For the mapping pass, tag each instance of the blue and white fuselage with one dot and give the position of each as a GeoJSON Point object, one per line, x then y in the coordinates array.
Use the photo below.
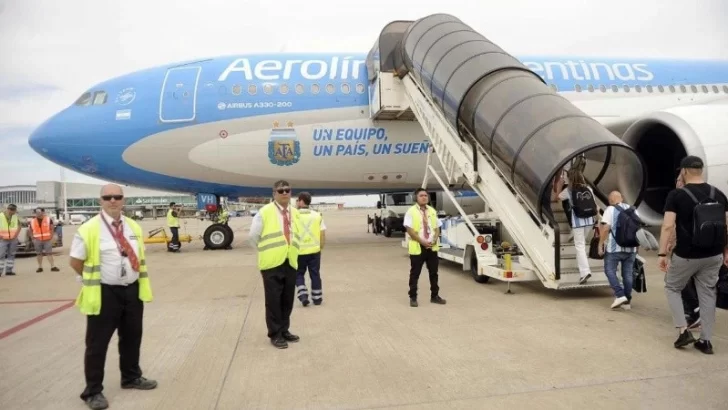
{"type": "Point", "coordinates": [233, 125]}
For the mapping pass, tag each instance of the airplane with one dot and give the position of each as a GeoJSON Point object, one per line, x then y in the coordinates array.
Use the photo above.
{"type": "Point", "coordinates": [230, 126]}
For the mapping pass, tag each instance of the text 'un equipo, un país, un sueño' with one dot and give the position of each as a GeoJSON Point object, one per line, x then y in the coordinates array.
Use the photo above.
{"type": "Point", "coordinates": [361, 142]}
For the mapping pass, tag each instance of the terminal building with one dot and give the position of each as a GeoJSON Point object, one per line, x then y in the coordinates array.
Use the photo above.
{"type": "Point", "coordinates": [83, 199]}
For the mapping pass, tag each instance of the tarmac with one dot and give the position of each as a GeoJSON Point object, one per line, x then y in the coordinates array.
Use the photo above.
{"type": "Point", "coordinates": [364, 347]}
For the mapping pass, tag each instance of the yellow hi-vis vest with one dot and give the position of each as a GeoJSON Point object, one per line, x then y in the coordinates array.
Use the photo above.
{"type": "Point", "coordinates": [7, 230]}
{"type": "Point", "coordinates": [89, 299]}
{"type": "Point", "coordinates": [172, 221]}
{"type": "Point", "coordinates": [273, 250]}
{"type": "Point", "coordinates": [414, 247]}
{"type": "Point", "coordinates": [310, 231]}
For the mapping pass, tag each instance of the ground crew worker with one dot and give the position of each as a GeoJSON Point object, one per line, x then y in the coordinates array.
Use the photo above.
{"type": "Point", "coordinates": [42, 229]}
{"type": "Point", "coordinates": [108, 255]}
{"type": "Point", "coordinates": [173, 224]}
{"type": "Point", "coordinates": [313, 236]}
{"type": "Point", "coordinates": [9, 231]}
{"type": "Point", "coordinates": [423, 228]}
{"type": "Point", "coordinates": [275, 232]}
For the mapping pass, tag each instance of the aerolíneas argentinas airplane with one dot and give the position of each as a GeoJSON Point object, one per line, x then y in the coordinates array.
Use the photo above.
{"type": "Point", "coordinates": [231, 126]}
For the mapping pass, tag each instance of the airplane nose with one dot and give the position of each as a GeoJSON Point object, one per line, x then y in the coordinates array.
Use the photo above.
{"type": "Point", "coordinates": [40, 137]}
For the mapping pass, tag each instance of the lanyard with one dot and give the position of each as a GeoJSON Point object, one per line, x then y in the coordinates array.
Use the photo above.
{"type": "Point", "coordinates": [116, 235]}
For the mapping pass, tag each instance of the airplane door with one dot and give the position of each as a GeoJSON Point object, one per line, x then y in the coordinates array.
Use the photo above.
{"type": "Point", "coordinates": [179, 94]}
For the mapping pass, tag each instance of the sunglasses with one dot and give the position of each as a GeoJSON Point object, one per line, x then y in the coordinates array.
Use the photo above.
{"type": "Point", "coordinates": [109, 197]}
{"type": "Point", "coordinates": [283, 191]}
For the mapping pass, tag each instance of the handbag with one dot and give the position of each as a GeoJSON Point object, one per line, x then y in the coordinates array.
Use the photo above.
{"type": "Point", "coordinates": [594, 246]}
{"type": "Point", "coordinates": [639, 281]}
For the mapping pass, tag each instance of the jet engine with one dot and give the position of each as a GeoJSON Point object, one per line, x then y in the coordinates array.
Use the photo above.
{"type": "Point", "coordinates": [664, 137]}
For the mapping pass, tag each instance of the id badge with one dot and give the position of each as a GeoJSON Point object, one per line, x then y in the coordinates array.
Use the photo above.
{"type": "Point", "coordinates": [123, 271]}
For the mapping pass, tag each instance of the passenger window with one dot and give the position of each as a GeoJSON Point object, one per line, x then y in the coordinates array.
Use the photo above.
{"type": "Point", "coordinates": [283, 89]}
{"type": "Point", "coordinates": [626, 88]}
{"type": "Point", "coordinates": [715, 89]}
{"type": "Point", "coordinates": [705, 88]}
{"type": "Point", "coordinates": [577, 88]}
{"type": "Point", "coordinates": [345, 88]}
{"type": "Point", "coordinates": [603, 88]}
{"type": "Point", "coordinates": [267, 88]}
{"type": "Point", "coordinates": [725, 89]}
{"type": "Point", "coordinates": [100, 98]}
{"type": "Point", "coordinates": [330, 88]}
{"type": "Point", "coordinates": [672, 88]}
{"type": "Point", "coordinates": [638, 88]}
{"type": "Point", "coordinates": [315, 88]}
{"type": "Point", "coordinates": [683, 89]}
{"type": "Point", "coordinates": [237, 89]}
{"type": "Point", "coordinates": [661, 88]}
{"type": "Point", "coordinates": [299, 88]}
{"type": "Point", "coordinates": [84, 100]}
{"type": "Point", "coordinates": [360, 88]}
{"type": "Point", "coordinates": [615, 88]}
{"type": "Point", "coordinates": [649, 88]}
{"type": "Point", "coordinates": [591, 88]}
{"type": "Point", "coordinates": [252, 89]}
{"type": "Point", "coordinates": [694, 89]}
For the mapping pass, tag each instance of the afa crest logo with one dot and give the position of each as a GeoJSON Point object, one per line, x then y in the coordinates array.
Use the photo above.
{"type": "Point", "coordinates": [284, 149]}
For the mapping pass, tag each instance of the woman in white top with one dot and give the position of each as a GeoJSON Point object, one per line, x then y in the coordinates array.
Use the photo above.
{"type": "Point", "coordinates": [579, 226]}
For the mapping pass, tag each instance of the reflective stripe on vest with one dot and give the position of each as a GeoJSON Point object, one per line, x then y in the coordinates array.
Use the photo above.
{"type": "Point", "coordinates": [172, 222]}
{"type": "Point", "coordinates": [414, 247]}
{"type": "Point", "coordinates": [89, 299]}
{"type": "Point", "coordinates": [8, 230]}
{"type": "Point", "coordinates": [310, 231]}
{"type": "Point", "coordinates": [273, 250]}
{"type": "Point", "coordinates": [42, 231]}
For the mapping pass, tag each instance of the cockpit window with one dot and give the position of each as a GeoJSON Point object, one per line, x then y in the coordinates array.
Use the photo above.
{"type": "Point", "coordinates": [100, 97]}
{"type": "Point", "coordinates": [84, 100]}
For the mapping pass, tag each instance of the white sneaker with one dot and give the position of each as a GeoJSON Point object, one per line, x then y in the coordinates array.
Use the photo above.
{"type": "Point", "coordinates": [626, 306]}
{"type": "Point", "coordinates": [619, 302]}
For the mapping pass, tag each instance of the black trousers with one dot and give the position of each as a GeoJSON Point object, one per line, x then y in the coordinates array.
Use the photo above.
{"type": "Point", "coordinates": [280, 289]}
{"type": "Point", "coordinates": [121, 310]}
{"type": "Point", "coordinates": [175, 238]}
{"type": "Point", "coordinates": [427, 257]}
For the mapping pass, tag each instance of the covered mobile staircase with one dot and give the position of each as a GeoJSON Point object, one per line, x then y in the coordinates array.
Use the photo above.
{"type": "Point", "coordinates": [495, 123]}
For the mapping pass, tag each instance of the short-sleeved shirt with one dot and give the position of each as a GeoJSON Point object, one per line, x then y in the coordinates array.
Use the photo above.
{"type": "Point", "coordinates": [408, 223]}
{"type": "Point", "coordinates": [682, 205]}
{"type": "Point", "coordinates": [576, 222]}
{"type": "Point", "coordinates": [610, 217]}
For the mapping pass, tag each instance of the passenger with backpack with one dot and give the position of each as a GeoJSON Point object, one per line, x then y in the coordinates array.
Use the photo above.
{"type": "Point", "coordinates": [582, 215]}
{"type": "Point", "coordinates": [697, 213]}
{"type": "Point", "coordinates": [618, 243]}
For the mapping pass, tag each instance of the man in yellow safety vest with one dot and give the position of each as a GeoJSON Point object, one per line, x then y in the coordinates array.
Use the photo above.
{"type": "Point", "coordinates": [42, 229]}
{"type": "Point", "coordinates": [313, 236]}
{"type": "Point", "coordinates": [275, 232]}
{"type": "Point", "coordinates": [108, 255]}
{"type": "Point", "coordinates": [9, 231]}
{"type": "Point", "coordinates": [173, 224]}
{"type": "Point", "coordinates": [423, 228]}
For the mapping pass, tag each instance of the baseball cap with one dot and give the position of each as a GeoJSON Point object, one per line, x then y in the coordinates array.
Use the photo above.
{"type": "Point", "coordinates": [691, 161]}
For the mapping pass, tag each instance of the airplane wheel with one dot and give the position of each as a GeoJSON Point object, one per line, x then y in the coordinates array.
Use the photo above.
{"type": "Point", "coordinates": [474, 270]}
{"type": "Point", "coordinates": [232, 237]}
{"type": "Point", "coordinates": [217, 236]}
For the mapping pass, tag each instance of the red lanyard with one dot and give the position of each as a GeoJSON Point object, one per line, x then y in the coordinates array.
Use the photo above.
{"type": "Point", "coordinates": [116, 235]}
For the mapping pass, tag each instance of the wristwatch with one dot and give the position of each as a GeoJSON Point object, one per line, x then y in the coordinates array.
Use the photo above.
{"type": "Point", "coordinates": [661, 255]}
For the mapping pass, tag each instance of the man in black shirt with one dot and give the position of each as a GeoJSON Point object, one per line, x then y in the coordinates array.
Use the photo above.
{"type": "Point", "coordinates": [701, 262]}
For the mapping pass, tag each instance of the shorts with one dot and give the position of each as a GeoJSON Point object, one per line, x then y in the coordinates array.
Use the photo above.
{"type": "Point", "coordinates": [44, 247]}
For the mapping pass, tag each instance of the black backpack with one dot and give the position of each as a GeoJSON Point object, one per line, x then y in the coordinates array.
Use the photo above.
{"type": "Point", "coordinates": [582, 202]}
{"type": "Point", "coordinates": [627, 226]}
{"type": "Point", "coordinates": [709, 227]}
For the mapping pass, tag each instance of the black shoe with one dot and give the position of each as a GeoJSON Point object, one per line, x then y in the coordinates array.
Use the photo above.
{"type": "Point", "coordinates": [279, 342]}
{"type": "Point", "coordinates": [54, 269]}
{"type": "Point", "coordinates": [413, 302]}
{"type": "Point", "coordinates": [140, 383]}
{"type": "Point", "coordinates": [438, 300]}
{"type": "Point", "coordinates": [305, 303]}
{"type": "Point", "coordinates": [684, 339]}
{"type": "Point", "coordinates": [290, 337]}
{"type": "Point", "coordinates": [97, 402]}
{"type": "Point", "coordinates": [11, 273]}
{"type": "Point", "coordinates": [39, 270]}
{"type": "Point", "coordinates": [318, 302]}
{"type": "Point", "coordinates": [584, 279]}
{"type": "Point", "coordinates": [704, 346]}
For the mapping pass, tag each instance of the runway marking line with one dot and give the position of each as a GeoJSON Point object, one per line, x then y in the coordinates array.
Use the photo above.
{"type": "Point", "coordinates": [15, 329]}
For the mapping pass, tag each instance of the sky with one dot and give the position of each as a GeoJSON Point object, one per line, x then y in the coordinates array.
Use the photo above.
{"type": "Point", "coordinates": [51, 50]}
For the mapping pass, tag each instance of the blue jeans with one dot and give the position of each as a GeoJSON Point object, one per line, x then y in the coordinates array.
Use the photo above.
{"type": "Point", "coordinates": [611, 259]}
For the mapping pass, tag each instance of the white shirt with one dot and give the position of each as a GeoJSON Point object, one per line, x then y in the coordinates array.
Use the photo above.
{"type": "Point", "coordinates": [256, 227]}
{"type": "Point", "coordinates": [408, 223]}
{"type": "Point", "coordinates": [111, 259]}
{"type": "Point", "coordinates": [610, 218]}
